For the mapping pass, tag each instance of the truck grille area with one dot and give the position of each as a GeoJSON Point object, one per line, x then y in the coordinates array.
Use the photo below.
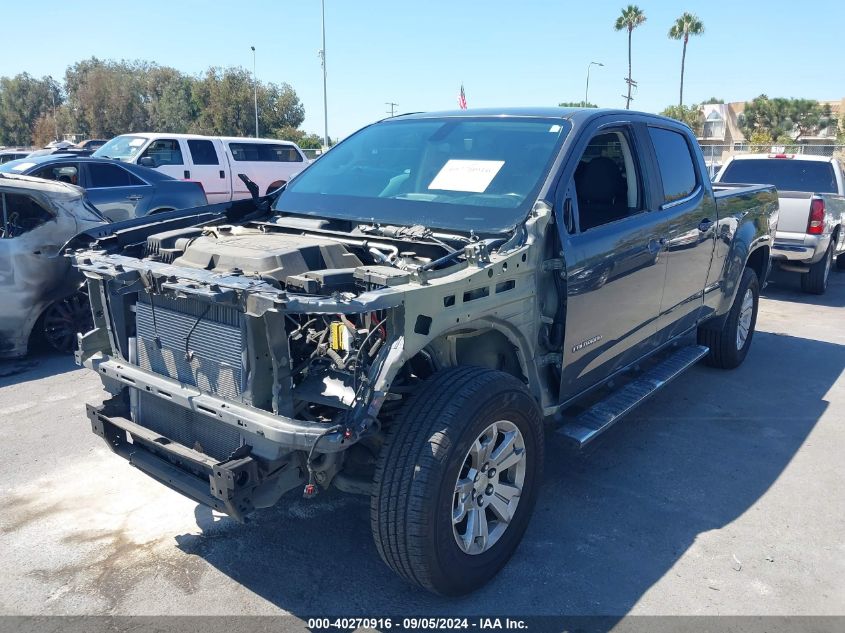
{"type": "Point", "coordinates": [186, 427]}
{"type": "Point", "coordinates": [215, 365]}
{"type": "Point", "coordinates": [215, 343]}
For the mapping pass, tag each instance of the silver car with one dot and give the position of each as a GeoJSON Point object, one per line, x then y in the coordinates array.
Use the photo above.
{"type": "Point", "coordinates": [41, 291]}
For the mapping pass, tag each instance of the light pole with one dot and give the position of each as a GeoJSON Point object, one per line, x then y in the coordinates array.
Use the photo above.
{"type": "Point", "coordinates": [255, 90]}
{"type": "Point", "coordinates": [587, 89]}
{"type": "Point", "coordinates": [392, 105]}
{"type": "Point", "coordinates": [322, 54]}
{"type": "Point", "coordinates": [53, 97]}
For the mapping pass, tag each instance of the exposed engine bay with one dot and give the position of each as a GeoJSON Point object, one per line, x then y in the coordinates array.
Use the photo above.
{"type": "Point", "coordinates": [270, 352]}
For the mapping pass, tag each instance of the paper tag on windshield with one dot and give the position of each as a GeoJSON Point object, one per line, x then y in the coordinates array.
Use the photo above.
{"type": "Point", "coordinates": [466, 175]}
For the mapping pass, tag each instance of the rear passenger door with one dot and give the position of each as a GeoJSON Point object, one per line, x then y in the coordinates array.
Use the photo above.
{"type": "Point", "coordinates": [117, 193]}
{"type": "Point", "coordinates": [209, 166]}
{"type": "Point", "coordinates": [613, 254]}
{"type": "Point", "coordinates": [689, 211]}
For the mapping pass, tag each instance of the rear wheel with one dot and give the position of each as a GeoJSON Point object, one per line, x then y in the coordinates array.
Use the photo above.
{"type": "Point", "coordinates": [814, 281]}
{"type": "Point", "coordinates": [457, 479]}
{"type": "Point", "coordinates": [729, 345]}
{"type": "Point", "coordinates": [63, 319]}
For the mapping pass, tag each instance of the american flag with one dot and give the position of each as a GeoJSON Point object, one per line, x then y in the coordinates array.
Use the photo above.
{"type": "Point", "coordinates": [462, 99]}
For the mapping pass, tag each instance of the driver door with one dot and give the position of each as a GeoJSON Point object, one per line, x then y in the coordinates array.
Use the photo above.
{"type": "Point", "coordinates": [615, 268]}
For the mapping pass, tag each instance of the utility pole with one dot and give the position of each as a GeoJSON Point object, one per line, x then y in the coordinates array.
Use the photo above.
{"type": "Point", "coordinates": [392, 107]}
{"type": "Point", "coordinates": [323, 62]}
{"type": "Point", "coordinates": [255, 90]}
{"type": "Point", "coordinates": [587, 89]}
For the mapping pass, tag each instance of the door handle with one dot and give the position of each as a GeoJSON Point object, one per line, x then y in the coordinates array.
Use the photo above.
{"type": "Point", "coordinates": [187, 174]}
{"type": "Point", "coordinates": [705, 225]}
{"type": "Point", "coordinates": [134, 196]}
{"type": "Point", "coordinates": [222, 174]}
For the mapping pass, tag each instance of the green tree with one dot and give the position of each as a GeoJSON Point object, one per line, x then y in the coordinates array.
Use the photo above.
{"type": "Point", "coordinates": [632, 17]}
{"type": "Point", "coordinates": [224, 102]}
{"type": "Point", "coordinates": [686, 25]}
{"type": "Point", "coordinates": [576, 104]}
{"type": "Point", "coordinates": [785, 120]}
{"type": "Point", "coordinates": [691, 116]}
{"type": "Point", "coordinates": [108, 98]}
{"type": "Point", "coordinates": [712, 100]}
{"type": "Point", "coordinates": [23, 99]}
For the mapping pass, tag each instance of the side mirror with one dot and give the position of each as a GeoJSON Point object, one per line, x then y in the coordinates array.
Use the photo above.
{"type": "Point", "coordinates": [147, 161]}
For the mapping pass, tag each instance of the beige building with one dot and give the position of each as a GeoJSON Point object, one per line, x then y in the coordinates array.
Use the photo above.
{"type": "Point", "coordinates": [721, 136]}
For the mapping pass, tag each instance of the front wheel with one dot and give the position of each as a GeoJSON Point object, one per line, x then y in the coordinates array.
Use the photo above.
{"type": "Point", "coordinates": [457, 479]}
{"type": "Point", "coordinates": [729, 345]}
{"type": "Point", "coordinates": [63, 319]}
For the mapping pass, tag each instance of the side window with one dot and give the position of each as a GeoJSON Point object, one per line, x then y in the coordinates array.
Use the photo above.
{"type": "Point", "coordinates": [283, 154]}
{"type": "Point", "coordinates": [264, 152]}
{"type": "Point", "coordinates": [164, 152]}
{"type": "Point", "coordinates": [245, 151]}
{"type": "Point", "coordinates": [103, 175]}
{"type": "Point", "coordinates": [21, 214]}
{"type": "Point", "coordinates": [675, 163]}
{"type": "Point", "coordinates": [202, 152]}
{"type": "Point", "coordinates": [607, 182]}
{"type": "Point", "coordinates": [67, 172]}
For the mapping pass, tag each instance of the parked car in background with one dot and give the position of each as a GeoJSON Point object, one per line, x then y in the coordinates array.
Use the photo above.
{"type": "Point", "coordinates": [119, 190]}
{"type": "Point", "coordinates": [811, 228]}
{"type": "Point", "coordinates": [214, 161]}
{"type": "Point", "coordinates": [7, 155]}
{"type": "Point", "coordinates": [47, 151]}
{"type": "Point", "coordinates": [92, 144]}
{"type": "Point", "coordinates": [41, 292]}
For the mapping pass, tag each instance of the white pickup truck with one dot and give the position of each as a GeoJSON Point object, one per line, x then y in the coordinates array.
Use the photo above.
{"type": "Point", "coordinates": [214, 161]}
{"type": "Point", "coordinates": [811, 226]}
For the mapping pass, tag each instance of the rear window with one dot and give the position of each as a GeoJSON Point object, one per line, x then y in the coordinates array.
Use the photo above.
{"type": "Point", "coordinates": [264, 152]}
{"type": "Point", "coordinates": [786, 174]}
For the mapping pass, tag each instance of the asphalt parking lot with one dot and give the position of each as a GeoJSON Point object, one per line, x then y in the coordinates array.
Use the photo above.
{"type": "Point", "coordinates": [722, 495]}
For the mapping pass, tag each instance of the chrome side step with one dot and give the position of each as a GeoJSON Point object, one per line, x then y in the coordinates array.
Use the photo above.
{"type": "Point", "coordinates": [601, 416]}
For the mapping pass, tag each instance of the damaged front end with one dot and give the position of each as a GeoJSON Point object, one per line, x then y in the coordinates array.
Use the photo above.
{"type": "Point", "coordinates": [247, 360]}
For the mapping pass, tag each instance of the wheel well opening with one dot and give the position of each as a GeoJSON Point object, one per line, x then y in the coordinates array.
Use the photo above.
{"type": "Point", "coordinates": [758, 261]}
{"type": "Point", "coordinates": [275, 185]}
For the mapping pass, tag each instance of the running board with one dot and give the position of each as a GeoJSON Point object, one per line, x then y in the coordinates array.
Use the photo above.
{"type": "Point", "coordinates": [588, 425]}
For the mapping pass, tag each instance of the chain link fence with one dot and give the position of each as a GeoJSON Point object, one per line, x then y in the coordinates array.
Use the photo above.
{"type": "Point", "coordinates": [716, 155]}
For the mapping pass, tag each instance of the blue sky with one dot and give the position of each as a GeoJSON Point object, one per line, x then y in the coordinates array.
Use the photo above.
{"type": "Point", "coordinates": [533, 52]}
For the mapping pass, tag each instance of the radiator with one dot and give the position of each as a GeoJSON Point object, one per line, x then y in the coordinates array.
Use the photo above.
{"type": "Point", "coordinates": [216, 364]}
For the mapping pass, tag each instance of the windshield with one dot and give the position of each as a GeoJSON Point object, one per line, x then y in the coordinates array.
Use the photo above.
{"type": "Point", "coordinates": [479, 174]}
{"type": "Point", "coordinates": [121, 147]}
{"type": "Point", "coordinates": [785, 174]}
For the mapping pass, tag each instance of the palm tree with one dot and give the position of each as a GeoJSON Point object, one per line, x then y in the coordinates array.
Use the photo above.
{"type": "Point", "coordinates": [631, 18]}
{"type": "Point", "coordinates": [686, 25]}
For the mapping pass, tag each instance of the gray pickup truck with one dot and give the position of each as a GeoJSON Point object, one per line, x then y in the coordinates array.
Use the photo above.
{"type": "Point", "coordinates": [399, 320]}
{"type": "Point", "coordinates": [811, 228]}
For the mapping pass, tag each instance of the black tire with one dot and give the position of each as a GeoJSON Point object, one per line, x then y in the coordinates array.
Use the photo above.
{"type": "Point", "coordinates": [418, 468]}
{"type": "Point", "coordinates": [814, 281]}
{"type": "Point", "coordinates": [725, 353]}
{"type": "Point", "coordinates": [840, 262]}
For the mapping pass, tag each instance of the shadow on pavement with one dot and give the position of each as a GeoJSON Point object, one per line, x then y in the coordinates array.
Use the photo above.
{"type": "Point", "coordinates": [609, 523]}
{"type": "Point", "coordinates": [34, 366]}
{"type": "Point", "coordinates": [784, 286]}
